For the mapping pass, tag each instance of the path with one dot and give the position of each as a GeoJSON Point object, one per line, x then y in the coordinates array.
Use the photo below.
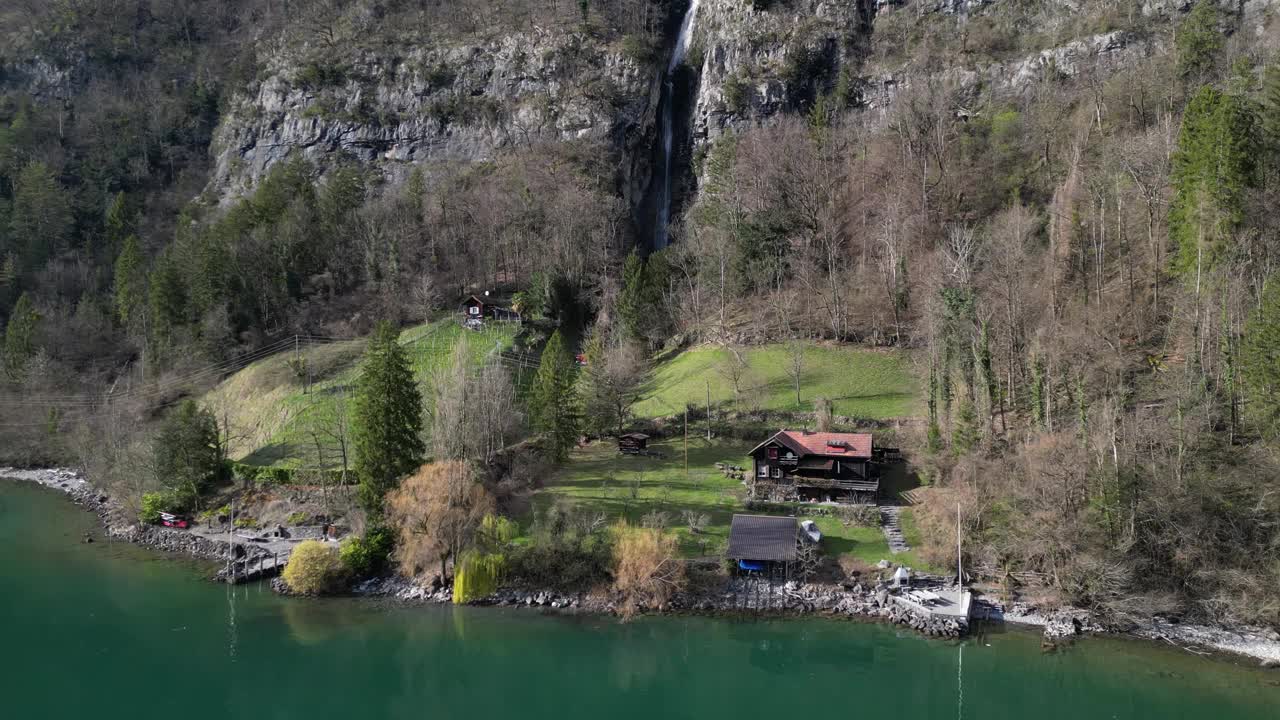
{"type": "Point", "coordinates": [890, 523]}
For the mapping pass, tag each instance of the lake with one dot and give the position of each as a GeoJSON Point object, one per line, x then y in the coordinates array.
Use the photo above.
{"type": "Point", "coordinates": [108, 630]}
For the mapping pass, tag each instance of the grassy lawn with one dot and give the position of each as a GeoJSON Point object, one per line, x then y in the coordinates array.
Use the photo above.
{"type": "Point", "coordinates": [274, 417]}
{"type": "Point", "coordinates": [599, 477]}
{"type": "Point", "coordinates": [861, 383]}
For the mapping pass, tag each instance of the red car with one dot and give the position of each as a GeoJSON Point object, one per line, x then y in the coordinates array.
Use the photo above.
{"type": "Point", "coordinates": [171, 520]}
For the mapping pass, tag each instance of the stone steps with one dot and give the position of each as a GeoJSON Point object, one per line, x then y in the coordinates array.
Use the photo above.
{"type": "Point", "coordinates": [891, 525]}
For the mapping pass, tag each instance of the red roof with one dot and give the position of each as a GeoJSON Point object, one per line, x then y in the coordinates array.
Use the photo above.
{"type": "Point", "coordinates": [825, 444]}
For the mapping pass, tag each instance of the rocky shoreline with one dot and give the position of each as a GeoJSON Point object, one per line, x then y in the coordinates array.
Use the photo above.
{"type": "Point", "coordinates": [791, 599]}
{"type": "Point", "coordinates": [108, 511]}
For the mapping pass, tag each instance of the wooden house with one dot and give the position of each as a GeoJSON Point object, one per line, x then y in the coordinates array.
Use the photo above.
{"type": "Point", "coordinates": [815, 466]}
{"type": "Point", "coordinates": [633, 443]}
{"type": "Point", "coordinates": [473, 308]}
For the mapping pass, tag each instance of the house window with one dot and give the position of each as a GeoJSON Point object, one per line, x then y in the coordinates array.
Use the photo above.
{"type": "Point", "coordinates": [777, 472]}
{"type": "Point", "coordinates": [762, 470]}
{"type": "Point", "coordinates": [474, 310]}
{"type": "Point", "coordinates": [773, 453]}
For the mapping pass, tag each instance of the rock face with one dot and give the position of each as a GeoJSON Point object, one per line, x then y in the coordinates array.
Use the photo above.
{"type": "Point", "coordinates": [431, 107]}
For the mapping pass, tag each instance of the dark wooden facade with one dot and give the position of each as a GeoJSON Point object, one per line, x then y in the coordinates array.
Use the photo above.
{"type": "Point", "coordinates": [633, 443]}
{"type": "Point", "coordinates": [473, 307]}
{"type": "Point", "coordinates": [815, 467]}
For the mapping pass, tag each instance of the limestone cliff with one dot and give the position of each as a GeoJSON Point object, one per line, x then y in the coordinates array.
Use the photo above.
{"type": "Point", "coordinates": [404, 107]}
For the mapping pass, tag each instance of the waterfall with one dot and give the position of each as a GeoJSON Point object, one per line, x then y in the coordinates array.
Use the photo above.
{"type": "Point", "coordinates": [665, 122]}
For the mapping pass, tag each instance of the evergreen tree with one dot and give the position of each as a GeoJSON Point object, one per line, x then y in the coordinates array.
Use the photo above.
{"type": "Point", "coordinates": [632, 300]}
{"type": "Point", "coordinates": [1259, 366]}
{"type": "Point", "coordinates": [387, 418]}
{"type": "Point", "coordinates": [131, 283]}
{"type": "Point", "coordinates": [19, 337]}
{"type": "Point", "coordinates": [1212, 168]}
{"type": "Point", "coordinates": [964, 432]}
{"type": "Point", "coordinates": [167, 297]}
{"type": "Point", "coordinates": [187, 455]}
{"type": "Point", "coordinates": [553, 400]}
{"type": "Point", "coordinates": [117, 227]}
{"type": "Point", "coordinates": [986, 372]}
{"type": "Point", "coordinates": [40, 219]}
{"type": "Point", "coordinates": [1270, 112]}
{"type": "Point", "coordinates": [640, 301]}
{"type": "Point", "coordinates": [1038, 391]}
{"type": "Point", "coordinates": [1198, 39]}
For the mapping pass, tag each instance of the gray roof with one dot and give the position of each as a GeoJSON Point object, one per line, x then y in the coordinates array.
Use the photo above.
{"type": "Point", "coordinates": [762, 537]}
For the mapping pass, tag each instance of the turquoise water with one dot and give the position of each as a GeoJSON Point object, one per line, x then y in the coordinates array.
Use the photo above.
{"type": "Point", "coordinates": [112, 631]}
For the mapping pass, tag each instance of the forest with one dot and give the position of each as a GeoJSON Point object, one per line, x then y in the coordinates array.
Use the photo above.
{"type": "Point", "coordinates": [1082, 264]}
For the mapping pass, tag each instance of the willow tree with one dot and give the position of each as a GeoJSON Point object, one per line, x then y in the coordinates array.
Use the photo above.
{"type": "Point", "coordinates": [387, 418]}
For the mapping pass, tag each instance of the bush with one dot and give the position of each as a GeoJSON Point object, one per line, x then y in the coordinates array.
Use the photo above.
{"type": "Point", "coordinates": [153, 504]}
{"type": "Point", "coordinates": [365, 556]}
{"type": "Point", "coordinates": [314, 569]}
{"type": "Point", "coordinates": [858, 515]}
{"type": "Point", "coordinates": [647, 569]}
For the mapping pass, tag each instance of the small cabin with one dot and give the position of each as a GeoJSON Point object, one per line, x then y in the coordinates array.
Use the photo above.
{"type": "Point", "coordinates": [633, 443]}
{"type": "Point", "coordinates": [473, 308]}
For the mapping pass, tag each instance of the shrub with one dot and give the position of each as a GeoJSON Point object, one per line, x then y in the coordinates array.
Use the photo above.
{"type": "Point", "coordinates": [858, 515]}
{"type": "Point", "coordinates": [646, 568]}
{"type": "Point", "coordinates": [297, 518]}
{"type": "Point", "coordinates": [365, 556]}
{"type": "Point", "coordinates": [736, 94]}
{"type": "Point", "coordinates": [314, 568]}
{"type": "Point", "coordinates": [153, 504]}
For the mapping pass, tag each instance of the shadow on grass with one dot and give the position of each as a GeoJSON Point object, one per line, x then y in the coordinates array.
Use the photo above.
{"type": "Point", "coordinates": [273, 453]}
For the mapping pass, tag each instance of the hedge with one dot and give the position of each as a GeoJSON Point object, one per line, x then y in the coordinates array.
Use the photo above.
{"type": "Point", "coordinates": [284, 476]}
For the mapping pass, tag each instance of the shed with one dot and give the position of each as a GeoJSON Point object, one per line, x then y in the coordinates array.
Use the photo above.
{"type": "Point", "coordinates": [633, 443]}
{"type": "Point", "coordinates": [762, 538]}
{"type": "Point", "coordinates": [473, 307]}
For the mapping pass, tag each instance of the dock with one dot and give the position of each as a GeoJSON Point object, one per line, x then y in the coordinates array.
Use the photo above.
{"type": "Point", "coordinates": [260, 566]}
{"type": "Point", "coordinates": [937, 604]}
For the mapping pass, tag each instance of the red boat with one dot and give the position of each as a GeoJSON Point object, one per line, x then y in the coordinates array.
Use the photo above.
{"type": "Point", "coordinates": [174, 521]}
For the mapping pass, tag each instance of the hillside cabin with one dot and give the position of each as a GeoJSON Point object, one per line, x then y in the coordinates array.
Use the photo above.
{"type": "Point", "coordinates": [633, 443]}
{"type": "Point", "coordinates": [473, 308]}
{"type": "Point", "coordinates": [815, 467]}
{"type": "Point", "coordinates": [764, 544]}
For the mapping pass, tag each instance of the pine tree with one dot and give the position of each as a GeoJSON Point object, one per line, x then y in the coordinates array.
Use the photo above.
{"type": "Point", "coordinates": [1198, 39]}
{"type": "Point", "coordinates": [964, 432]}
{"type": "Point", "coordinates": [1038, 390]}
{"type": "Point", "coordinates": [632, 300]}
{"type": "Point", "coordinates": [131, 283]}
{"type": "Point", "coordinates": [1270, 112]}
{"type": "Point", "coordinates": [40, 218]}
{"type": "Point", "coordinates": [117, 227]}
{"type": "Point", "coordinates": [386, 419]}
{"type": "Point", "coordinates": [554, 400]}
{"type": "Point", "coordinates": [1259, 368]}
{"type": "Point", "coordinates": [1212, 167]}
{"type": "Point", "coordinates": [187, 453]}
{"type": "Point", "coordinates": [19, 337]}
{"type": "Point", "coordinates": [986, 373]}
{"type": "Point", "coordinates": [167, 297]}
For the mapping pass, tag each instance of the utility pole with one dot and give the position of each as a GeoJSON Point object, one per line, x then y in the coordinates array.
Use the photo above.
{"type": "Point", "coordinates": [708, 410]}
